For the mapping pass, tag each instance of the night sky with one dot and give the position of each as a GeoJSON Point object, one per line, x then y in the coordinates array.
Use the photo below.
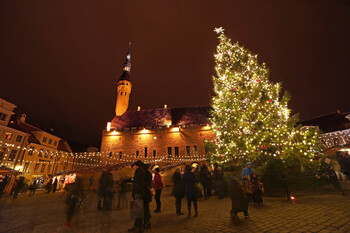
{"type": "Point", "coordinates": [60, 60]}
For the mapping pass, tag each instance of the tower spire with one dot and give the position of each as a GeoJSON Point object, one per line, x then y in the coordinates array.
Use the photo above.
{"type": "Point", "coordinates": [127, 66]}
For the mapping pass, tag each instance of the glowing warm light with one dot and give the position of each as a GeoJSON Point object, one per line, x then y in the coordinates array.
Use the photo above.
{"type": "Point", "coordinates": [292, 198]}
{"type": "Point", "coordinates": [154, 137]}
{"type": "Point", "coordinates": [115, 132]}
{"type": "Point", "coordinates": [144, 131]}
{"type": "Point", "coordinates": [108, 126]}
{"type": "Point", "coordinates": [138, 108]}
{"type": "Point", "coordinates": [165, 106]}
{"type": "Point", "coordinates": [175, 129]}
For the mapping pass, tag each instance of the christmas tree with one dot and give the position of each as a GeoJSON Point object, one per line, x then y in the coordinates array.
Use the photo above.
{"type": "Point", "coordinates": [250, 119]}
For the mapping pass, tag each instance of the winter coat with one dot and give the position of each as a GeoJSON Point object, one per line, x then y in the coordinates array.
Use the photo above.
{"type": "Point", "coordinates": [239, 200]}
{"type": "Point", "coordinates": [148, 186]}
{"type": "Point", "coordinates": [247, 171]}
{"type": "Point", "coordinates": [102, 185]}
{"type": "Point", "coordinates": [205, 178]}
{"type": "Point", "coordinates": [139, 184]}
{"type": "Point", "coordinates": [189, 183]}
{"type": "Point", "coordinates": [158, 183]}
{"type": "Point", "coordinates": [178, 186]}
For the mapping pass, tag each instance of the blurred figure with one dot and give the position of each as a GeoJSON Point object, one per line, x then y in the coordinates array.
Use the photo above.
{"type": "Point", "coordinates": [14, 185]}
{"type": "Point", "coordinates": [101, 192]}
{"type": "Point", "coordinates": [219, 180]}
{"type": "Point", "coordinates": [32, 187]}
{"type": "Point", "coordinates": [205, 179]}
{"type": "Point", "coordinates": [258, 188]}
{"type": "Point", "coordinates": [91, 180]}
{"type": "Point", "coordinates": [3, 185]}
{"type": "Point", "coordinates": [158, 186]}
{"type": "Point", "coordinates": [18, 187]}
{"type": "Point", "coordinates": [147, 197]}
{"type": "Point", "coordinates": [239, 201]}
{"type": "Point", "coordinates": [189, 184]}
{"type": "Point", "coordinates": [138, 192]}
{"type": "Point", "coordinates": [54, 185]}
{"type": "Point", "coordinates": [49, 186]}
{"type": "Point", "coordinates": [122, 200]}
{"type": "Point", "coordinates": [108, 197]}
{"type": "Point", "coordinates": [25, 186]}
{"type": "Point", "coordinates": [178, 190]}
{"type": "Point", "coordinates": [74, 199]}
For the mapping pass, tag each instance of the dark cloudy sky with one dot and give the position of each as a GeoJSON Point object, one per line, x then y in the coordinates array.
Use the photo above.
{"type": "Point", "coordinates": [60, 60]}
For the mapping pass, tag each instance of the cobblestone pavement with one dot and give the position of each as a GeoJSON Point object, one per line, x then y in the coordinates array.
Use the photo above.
{"type": "Point", "coordinates": [46, 213]}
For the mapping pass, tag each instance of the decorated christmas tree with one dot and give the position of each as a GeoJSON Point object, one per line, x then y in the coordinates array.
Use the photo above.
{"type": "Point", "coordinates": [250, 118]}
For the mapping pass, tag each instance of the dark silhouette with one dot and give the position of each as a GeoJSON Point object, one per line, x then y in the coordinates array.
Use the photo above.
{"type": "Point", "coordinates": [48, 186]}
{"type": "Point", "coordinates": [54, 185]}
{"type": "Point", "coordinates": [189, 184]}
{"type": "Point", "coordinates": [219, 180]}
{"type": "Point", "coordinates": [148, 197]}
{"type": "Point", "coordinates": [178, 190]}
{"type": "Point", "coordinates": [158, 186]}
{"type": "Point", "coordinates": [3, 185]}
{"type": "Point", "coordinates": [239, 200]}
{"type": "Point", "coordinates": [18, 187]}
{"type": "Point", "coordinates": [74, 199]}
{"type": "Point", "coordinates": [205, 179]}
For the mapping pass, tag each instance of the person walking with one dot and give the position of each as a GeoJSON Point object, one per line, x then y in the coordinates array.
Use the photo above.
{"type": "Point", "coordinates": [219, 180]}
{"type": "Point", "coordinates": [158, 186]}
{"type": "Point", "coordinates": [189, 185]}
{"type": "Point", "coordinates": [239, 201]}
{"type": "Point", "coordinates": [147, 197]}
{"type": "Point", "coordinates": [205, 179]}
{"type": "Point", "coordinates": [32, 187]}
{"type": "Point", "coordinates": [138, 192]}
{"type": "Point", "coordinates": [48, 186]}
{"type": "Point", "coordinates": [74, 199]}
{"type": "Point", "coordinates": [54, 185]}
{"type": "Point", "coordinates": [101, 192]}
{"type": "Point", "coordinates": [178, 190]}
{"type": "Point", "coordinates": [19, 186]}
{"type": "Point", "coordinates": [108, 197]}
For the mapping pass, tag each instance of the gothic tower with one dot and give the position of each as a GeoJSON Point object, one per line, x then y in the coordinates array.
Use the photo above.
{"type": "Point", "coordinates": [124, 88]}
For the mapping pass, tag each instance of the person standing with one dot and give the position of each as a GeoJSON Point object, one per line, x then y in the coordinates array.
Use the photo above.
{"type": "Point", "coordinates": [101, 192]}
{"type": "Point", "coordinates": [189, 184]}
{"type": "Point", "coordinates": [205, 180]}
{"type": "Point", "coordinates": [109, 183]}
{"type": "Point", "coordinates": [54, 185]}
{"type": "Point", "coordinates": [158, 186]}
{"type": "Point", "coordinates": [74, 199]}
{"type": "Point", "coordinates": [147, 198]}
{"type": "Point", "coordinates": [32, 188]}
{"type": "Point", "coordinates": [239, 201]}
{"type": "Point", "coordinates": [247, 171]}
{"type": "Point", "coordinates": [138, 191]}
{"type": "Point", "coordinates": [48, 186]}
{"type": "Point", "coordinates": [3, 185]}
{"type": "Point", "coordinates": [258, 188]}
{"type": "Point", "coordinates": [219, 180]}
{"type": "Point", "coordinates": [18, 187]}
{"type": "Point", "coordinates": [178, 190]}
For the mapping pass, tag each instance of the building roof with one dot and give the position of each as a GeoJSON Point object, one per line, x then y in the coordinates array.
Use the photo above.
{"type": "Point", "coordinates": [329, 123]}
{"type": "Point", "coordinates": [62, 146]}
{"type": "Point", "coordinates": [162, 117]}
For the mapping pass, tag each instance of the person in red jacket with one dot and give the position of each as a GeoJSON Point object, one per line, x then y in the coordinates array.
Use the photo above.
{"type": "Point", "coordinates": [158, 186]}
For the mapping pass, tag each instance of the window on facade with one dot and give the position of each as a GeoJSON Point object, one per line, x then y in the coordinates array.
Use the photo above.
{"type": "Point", "coordinates": [137, 154]}
{"type": "Point", "coordinates": [110, 154]}
{"type": "Point", "coordinates": [26, 167]}
{"type": "Point", "coordinates": [41, 152]}
{"type": "Point", "coordinates": [8, 135]}
{"type": "Point", "coordinates": [44, 139]}
{"type": "Point", "coordinates": [176, 148]}
{"type": "Point", "coordinates": [56, 168]}
{"type": "Point", "coordinates": [146, 151]}
{"type": "Point", "coordinates": [36, 168]}
{"type": "Point", "coordinates": [47, 154]}
{"type": "Point", "coordinates": [121, 93]}
{"type": "Point", "coordinates": [19, 138]}
{"type": "Point", "coordinates": [31, 150]}
{"type": "Point", "coordinates": [51, 155]}
{"type": "Point", "coordinates": [43, 168]}
{"type": "Point", "coordinates": [55, 143]}
{"type": "Point", "coordinates": [195, 152]}
{"type": "Point", "coordinates": [188, 150]}
{"type": "Point", "coordinates": [50, 141]}
{"type": "Point", "coordinates": [2, 153]}
{"type": "Point", "coordinates": [120, 154]}
{"type": "Point", "coordinates": [12, 155]}
{"type": "Point", "coordinates": [49, 168]}
{"type": "Point", "coordinates": [3, 116]}
{"type": "Point", "coordinates": [154, 153]}
{"type": "Point", "coordinates": [169, 151]}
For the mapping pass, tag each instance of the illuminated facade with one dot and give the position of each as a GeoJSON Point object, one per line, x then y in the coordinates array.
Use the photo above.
{"type": "Point", "coordinates": [156, 136]}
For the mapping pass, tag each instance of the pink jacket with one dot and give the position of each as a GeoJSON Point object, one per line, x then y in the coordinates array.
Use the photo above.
{"type": "Point", "coordinates": [157, 181]}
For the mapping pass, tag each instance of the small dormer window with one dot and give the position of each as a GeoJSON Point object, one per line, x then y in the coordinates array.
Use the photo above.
{"type": "Point", "coordinates": [44, 139]}
{"type": "Point", "coordinates": [121, 93]}
{"type": "Point", "coordinates": [50, 141]}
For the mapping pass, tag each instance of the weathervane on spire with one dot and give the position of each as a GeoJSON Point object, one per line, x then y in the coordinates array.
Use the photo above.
{"type": "Point", "coordinates": [219, 30]}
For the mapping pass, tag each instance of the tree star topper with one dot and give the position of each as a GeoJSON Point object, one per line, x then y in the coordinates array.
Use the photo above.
{"type": "Point", "coordinates": [219, 30]}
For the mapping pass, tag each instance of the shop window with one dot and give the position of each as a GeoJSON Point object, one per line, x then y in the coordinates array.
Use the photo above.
{"type": "Point", "coordinates": [8, 135]}
{"type": "Point", "coordinates": [12, 155]}
{"type": "Point", "coordinates": [154, 153]}
{"type": "Point", "coordinates": [31, 150]}
{"type": "Point", "coordinates": [43, 168]}
{"type": "Point", "coordinates": [195, 152]}
{"type": "Point", "coordinates": [19, 138]}
{"type": "Point", "coordinates": [188, 150]}
{"type": "Point", "coordinates": [169, 151]}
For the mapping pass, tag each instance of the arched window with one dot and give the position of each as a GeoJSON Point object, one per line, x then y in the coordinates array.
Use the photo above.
{"type": "Point", "coordinates": [121, 93]}
{"type": "Point", "coordinates": [125, 93]}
